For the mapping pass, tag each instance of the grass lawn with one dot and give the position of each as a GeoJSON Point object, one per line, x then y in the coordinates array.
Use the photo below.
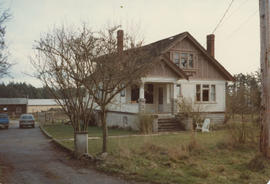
{"type": "Point", "coordinates": [61, 131]}
{"type": "Point", "coordinates": [188, 158]}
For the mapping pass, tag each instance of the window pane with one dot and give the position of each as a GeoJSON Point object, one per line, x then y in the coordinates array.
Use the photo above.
{"type": "Point", "coordinates": [176, 58]}
{"type": "Point", "coordinates": [213, 93]}
{"type": "Point", "coordinates": [183, 63]}
{"type": "Point", "coordinates": [179, 89]}
{"type": "Point", "coordinates": [148, 94]}
{"type": "Point", "coordinates": [198, 92]}
{"type": "Point", "coordinates": [205, 95]}
{"type": "Point", "coordinates": [184, 55]}
{"type": "Point", "coordinates": [184, 60]}
{"type": "Point", "coordinates": [135, 91]}
{"type": "Point", "coordinates": [190, 61]}
{"type": "Point", "coordinates": [123, 92]}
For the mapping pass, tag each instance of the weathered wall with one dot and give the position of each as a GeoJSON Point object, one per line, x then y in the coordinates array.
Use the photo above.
{"type": "Point", "coordinates": [123, 120]}
{"type": "Point", "coordinates": [188, 89]}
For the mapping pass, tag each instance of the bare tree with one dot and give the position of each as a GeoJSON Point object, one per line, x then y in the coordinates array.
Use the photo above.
{"type": "Point", "coordinates": [4, 64]}
{"type": "Point", "coordinates": [115, 69]}
{"type": "Point", "coordinates": [59, 57]}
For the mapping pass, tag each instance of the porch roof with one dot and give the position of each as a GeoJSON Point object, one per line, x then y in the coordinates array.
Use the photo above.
{"type": "Point", "coordinates": [159, 80]}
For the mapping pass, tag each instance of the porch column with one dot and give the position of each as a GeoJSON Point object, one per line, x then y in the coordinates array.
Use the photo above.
{"type": "Point", "coordinates": [141, 99]}
{"type": "Point", "coordinates": [174, 94]}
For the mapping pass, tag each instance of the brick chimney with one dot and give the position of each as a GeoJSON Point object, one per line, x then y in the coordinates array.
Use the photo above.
{"type": "Point", "coordinates": [211, 45]}
{"type": "Point", "coordinates": [120, 39]}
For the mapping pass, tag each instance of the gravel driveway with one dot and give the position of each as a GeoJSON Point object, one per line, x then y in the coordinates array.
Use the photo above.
{"type": "Point", "coordinates": [30, 158]}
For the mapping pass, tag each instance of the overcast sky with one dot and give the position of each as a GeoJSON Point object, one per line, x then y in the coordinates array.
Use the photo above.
{"type": "Point", "coordinates": [237, 39]}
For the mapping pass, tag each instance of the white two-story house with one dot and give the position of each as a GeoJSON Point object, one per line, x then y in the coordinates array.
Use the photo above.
{"type": "Point", "coordinates": [186, 70]}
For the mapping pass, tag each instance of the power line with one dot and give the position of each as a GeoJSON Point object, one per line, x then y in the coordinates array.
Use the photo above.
{"type": "Point", "coordinates": [230, 5]}
{"type": "Point", "coordinates": [243, 23]}
{"type": "Point", "coordinates": [236, 10]}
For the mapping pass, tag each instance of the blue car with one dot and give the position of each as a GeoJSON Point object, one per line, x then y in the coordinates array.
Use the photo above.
{"type": "Point", "coordinates": [4, 121]}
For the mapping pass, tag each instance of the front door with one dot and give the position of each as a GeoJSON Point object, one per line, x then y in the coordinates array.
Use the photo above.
{"type": "Point", "coordinates": [160, 99]}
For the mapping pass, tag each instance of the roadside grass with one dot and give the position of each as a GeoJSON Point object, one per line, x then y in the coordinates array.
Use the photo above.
{"type": "Point", "coordinates": [190, 158]}
{"type": "Point", "coordinates": [61, 131]}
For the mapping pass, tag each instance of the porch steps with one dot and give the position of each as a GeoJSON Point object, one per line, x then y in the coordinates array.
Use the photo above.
{"type": "Point", "coordinates": [168, 124]}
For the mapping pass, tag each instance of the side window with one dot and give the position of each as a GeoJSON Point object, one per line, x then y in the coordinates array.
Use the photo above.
{"type": "Point", "coordinates": [205, 93]}
{"type": "Point", "coordinates": [213, 93]}
{"type": "Point", "coordinates": [123, 92]}
{"type": "Point", "coordinates": [179, 90]}
{"type": "Point", "coordinates": [198, 92]}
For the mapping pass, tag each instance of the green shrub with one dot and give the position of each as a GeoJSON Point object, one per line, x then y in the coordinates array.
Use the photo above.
{"type": "Point", "coordinates": [146, 123]}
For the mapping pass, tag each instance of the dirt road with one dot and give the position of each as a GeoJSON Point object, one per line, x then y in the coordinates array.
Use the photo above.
{"type": "Point", "coordinates": [30, 158]}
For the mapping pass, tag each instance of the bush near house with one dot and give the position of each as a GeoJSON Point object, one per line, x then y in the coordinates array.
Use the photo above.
{"type": "Point", "coordinates": [145, 123]}
{"type": "Point", "coordinates": [187, 157]}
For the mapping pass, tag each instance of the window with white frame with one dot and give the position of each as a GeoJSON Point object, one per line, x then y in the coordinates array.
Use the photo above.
{"type": "Point", "coordinates": [205, 93]}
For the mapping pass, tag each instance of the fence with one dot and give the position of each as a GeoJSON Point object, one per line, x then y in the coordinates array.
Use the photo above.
{"type": "Point", "coordinates": [51, 117]}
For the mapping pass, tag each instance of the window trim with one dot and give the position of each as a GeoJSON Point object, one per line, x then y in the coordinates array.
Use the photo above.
{"type": "Point", "coordinates": [206, 86]}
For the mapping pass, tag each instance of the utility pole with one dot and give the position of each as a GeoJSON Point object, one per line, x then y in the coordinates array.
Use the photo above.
{"type": "Point", "coordinates": [264, 6]}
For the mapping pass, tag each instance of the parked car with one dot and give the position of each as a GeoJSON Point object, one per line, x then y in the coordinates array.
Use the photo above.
{"type": "Point", "coordinates": [4, 121]}
{"type": "Point", "coordinates": [27, 120]}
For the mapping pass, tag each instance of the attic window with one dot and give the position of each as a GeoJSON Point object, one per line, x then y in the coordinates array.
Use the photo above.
{"type": "Point", "coordinates": [187, 60]}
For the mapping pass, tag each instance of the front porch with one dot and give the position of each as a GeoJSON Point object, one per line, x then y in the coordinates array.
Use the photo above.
{"type": "Point", "coordinates": [155, 98]}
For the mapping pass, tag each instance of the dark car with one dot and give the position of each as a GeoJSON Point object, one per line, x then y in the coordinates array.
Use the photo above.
{"type": "Point", "coordinates": [4, 121]}
{"type": "Point", "coordinates": [27, 120]}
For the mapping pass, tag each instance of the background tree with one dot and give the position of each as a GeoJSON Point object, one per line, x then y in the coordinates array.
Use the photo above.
{"type": "Point", "coordinates": [4, 64]}
{"type": "Point", "coordinates": [59, 56]}
{"type": "Point", "coordinates": [243, 96]}
{"type": "Point", "coordinates": [22, 90]}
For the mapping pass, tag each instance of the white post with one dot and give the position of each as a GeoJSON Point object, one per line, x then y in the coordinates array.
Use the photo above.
{"type": "Point", "coordinates": [265, 69]}
{"type": "Point", "coordinates": [141, 91]}
{"type": "Point", "coordinates": [141, 99]}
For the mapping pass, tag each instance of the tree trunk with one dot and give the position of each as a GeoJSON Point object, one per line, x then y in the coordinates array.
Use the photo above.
{"type": "Point", "coordinates": [105, 130]}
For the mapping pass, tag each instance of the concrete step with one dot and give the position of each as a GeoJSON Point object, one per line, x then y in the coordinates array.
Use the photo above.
{"type": "Point", "coordinates": [168, 125]}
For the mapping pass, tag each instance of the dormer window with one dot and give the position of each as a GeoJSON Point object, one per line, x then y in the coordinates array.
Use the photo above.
{"type": "Point", "coordinates": [184, 60]}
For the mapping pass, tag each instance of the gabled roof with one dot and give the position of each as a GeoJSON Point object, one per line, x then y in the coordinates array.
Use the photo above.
{"type": "Point", "coordinates": [161, 47]}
